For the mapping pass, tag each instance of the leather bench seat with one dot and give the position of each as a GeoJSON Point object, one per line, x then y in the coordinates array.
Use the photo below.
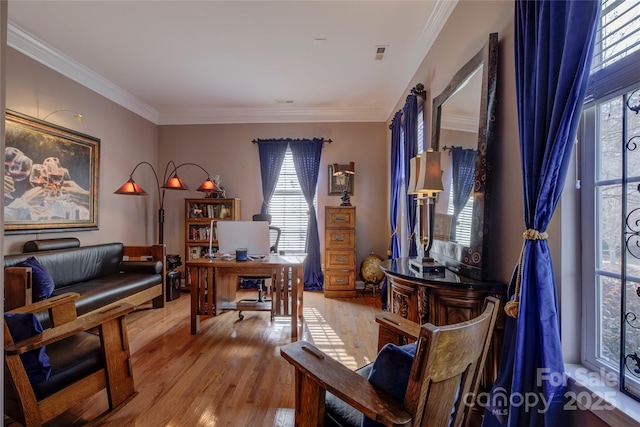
{"type": "Point", "coordinates": [99, 292]}
{"type": "Point", "coordinates": [71, 359]}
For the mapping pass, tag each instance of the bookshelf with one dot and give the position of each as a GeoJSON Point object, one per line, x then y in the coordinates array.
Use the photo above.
{"type": "Point", "coordinates": [198, 214]}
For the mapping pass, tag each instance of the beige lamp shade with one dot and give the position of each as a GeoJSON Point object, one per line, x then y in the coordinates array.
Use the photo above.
{"type": "Point", "coordinates": [430, 177]}
{"type": "Point", "coordinates": [414, 170]}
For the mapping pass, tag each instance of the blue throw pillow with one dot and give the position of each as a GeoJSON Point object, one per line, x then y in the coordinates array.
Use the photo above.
{"type": "Point", "coordinates": [36, 362]}
{"type": "Point", "coordinates": [390, 372]}
{"type": "Point", "coordinates": [41, 279]}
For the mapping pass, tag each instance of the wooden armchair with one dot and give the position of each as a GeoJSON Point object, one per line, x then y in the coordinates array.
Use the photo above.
{"type": "Point", "coordinates": [83, 363]}
{"type": "Point", "coordinates": [446, 367]}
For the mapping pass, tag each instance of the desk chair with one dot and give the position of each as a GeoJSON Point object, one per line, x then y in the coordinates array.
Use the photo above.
{"type": "Point", "coordinates": [261, 281]}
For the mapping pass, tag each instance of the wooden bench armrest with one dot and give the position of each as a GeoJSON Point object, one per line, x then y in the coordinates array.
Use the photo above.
{"type": "Point", "coordinates": [355, 390]}
{"type": "Point", "coordinates": [85, 323]}
{"type": "Point", "coordinates": [396, 330]}
{"type": "Point", "coordinates": [17, 287]}
{"type": "Point", "coordinates": [157, 252]}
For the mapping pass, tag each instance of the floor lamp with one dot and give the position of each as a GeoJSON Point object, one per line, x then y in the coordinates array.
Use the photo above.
{"type": "Point", "coordinates": [174, 182]}
{"type": "Point", "coordinates": [426, 167]}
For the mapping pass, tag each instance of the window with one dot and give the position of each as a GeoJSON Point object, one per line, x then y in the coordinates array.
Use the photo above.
{"type": "Point", "coordinates": [610, 197]}
{"type": "Point", "coordinates": [289, 210]}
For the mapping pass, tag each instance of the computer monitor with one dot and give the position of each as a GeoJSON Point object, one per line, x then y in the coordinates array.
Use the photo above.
{"type": "Point", "coordinates": [253, 235]}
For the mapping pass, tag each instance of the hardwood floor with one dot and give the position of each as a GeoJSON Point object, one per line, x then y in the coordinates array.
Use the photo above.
{"type": "Point", "coordinates": [231, 374]}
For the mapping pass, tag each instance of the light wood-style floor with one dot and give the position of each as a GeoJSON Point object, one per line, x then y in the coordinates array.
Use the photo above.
{"type": "Point", "coordinates": [231, 374]}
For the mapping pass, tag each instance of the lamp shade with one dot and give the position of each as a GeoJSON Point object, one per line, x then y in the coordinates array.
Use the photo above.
{"type": "Point", "coordinates": [130, 188]}
{"type": "Point", "coordinates": [175, 183]}
{"type": "Point", "coordinates": [430, 177]}
{"type": "Point", "coordinates": [336, 170]}
{"type": "Point", "coordinates": [208, 186]}
{"type": "Point", "coordinates": [414, 171]}
{"type": "Point", "coordinates": [351, 169]}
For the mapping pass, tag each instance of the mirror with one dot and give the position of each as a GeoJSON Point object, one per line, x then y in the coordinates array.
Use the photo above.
{"type": "Point", "coordinates": [464, 116]}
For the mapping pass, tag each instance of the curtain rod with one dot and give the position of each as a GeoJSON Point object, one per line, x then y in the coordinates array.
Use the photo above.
{"type": "Point", "coordinates": [329, 141]}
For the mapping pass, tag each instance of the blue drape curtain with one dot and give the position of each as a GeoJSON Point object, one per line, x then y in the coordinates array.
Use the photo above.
{"type": "Point", "coordinates": [396, 182]}
{"type": "Point", "coordinates": [410, 131]}
{"type": "Point", "coordinates": [394, 204]}
{"type": "Point", "coordinates": [463, 170]}
{"type": "Point", "coordinates": [271, 153]}
{"type": "Point", "coordinates": [306, 159]}
{"type": "Point", "coordinates": [553, 49]}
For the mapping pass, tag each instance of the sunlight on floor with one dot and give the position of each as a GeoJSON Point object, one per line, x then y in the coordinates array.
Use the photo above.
{"type": "Point", "coordinates": [326, 339]}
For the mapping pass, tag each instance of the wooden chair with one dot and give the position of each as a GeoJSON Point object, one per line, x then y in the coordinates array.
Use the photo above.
{"type": "Point", "coordinates": [109, 366]}
{"type": "Point", "coordinates": [446, 367]}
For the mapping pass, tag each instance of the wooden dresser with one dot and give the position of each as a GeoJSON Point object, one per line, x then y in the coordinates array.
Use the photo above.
{"type": "Point", "coordinates": [445, 300]}
{"type": "Point", "coordinates": [340, 252]}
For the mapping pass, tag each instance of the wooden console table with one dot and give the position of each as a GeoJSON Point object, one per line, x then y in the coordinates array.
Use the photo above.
{"type": "Point", "coordinates": [209, 301]}
{"type": "Point", "coordinates": [444, 300]}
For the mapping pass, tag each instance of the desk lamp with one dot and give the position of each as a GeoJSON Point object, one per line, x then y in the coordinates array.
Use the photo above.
{"type": "Point", "coordinates": [344, 177]}
{"type": "Point", "coordinates": [429, 182]}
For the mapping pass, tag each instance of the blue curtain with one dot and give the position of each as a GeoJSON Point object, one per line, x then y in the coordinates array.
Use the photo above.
{"type": "Point", "coordinates": [271, 158]}
{"type": "Point", "coordinates": [553, 49]}
{"type": "Point", "coordinates": [306, 159]}
{"type": "Point", "coordinates": [410, 131]}
{"type": "Point", "coordinates": [463, 170]}
{"type": "Point", "coordinates": [394, 204]}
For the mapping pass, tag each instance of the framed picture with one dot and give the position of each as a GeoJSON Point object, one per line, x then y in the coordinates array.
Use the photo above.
{"type": "Point", "coordinates": [50, 177]}
{"type": "Point", "coordinates": [341, 181]}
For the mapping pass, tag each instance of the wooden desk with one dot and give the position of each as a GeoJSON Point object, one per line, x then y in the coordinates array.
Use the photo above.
{"type": "Point", "coordinates": [212, 300]}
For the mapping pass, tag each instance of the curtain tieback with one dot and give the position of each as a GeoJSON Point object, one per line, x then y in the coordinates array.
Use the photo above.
{"type": "Point", "coordinates": [512, 307]}
{"type": "Point", "coordinates": [410, 238]}
{"type": "Point", "coordinates": [266, 205]}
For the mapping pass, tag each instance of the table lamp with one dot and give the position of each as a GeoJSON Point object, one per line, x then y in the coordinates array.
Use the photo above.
{"type": "Point", "coordinates": [429, 182]}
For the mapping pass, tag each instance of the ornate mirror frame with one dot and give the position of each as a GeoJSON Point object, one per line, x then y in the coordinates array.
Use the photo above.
{"type": "Point", "coordinates": [471, 261]}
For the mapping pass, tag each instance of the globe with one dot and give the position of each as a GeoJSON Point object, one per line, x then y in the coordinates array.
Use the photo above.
{"type": "Point", "coordinates": [370, 269]}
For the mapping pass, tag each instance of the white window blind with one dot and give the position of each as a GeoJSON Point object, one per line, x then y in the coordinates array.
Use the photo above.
{"type": "Point", "coordinates": [289, 210]}
{"type": "Point", "coordinates": [619, 34]}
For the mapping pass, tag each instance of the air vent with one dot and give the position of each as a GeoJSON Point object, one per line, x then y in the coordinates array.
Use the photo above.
{"type": "Point", "coordinates": [284, 101]}
{"type": "Point", "coordinates": [380, 52]}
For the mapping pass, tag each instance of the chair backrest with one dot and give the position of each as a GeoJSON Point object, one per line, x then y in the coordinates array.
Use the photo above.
{"type": "Point", "coordinates": [447, 367]}
{"type": "Point", "coordinates": [274, 229]}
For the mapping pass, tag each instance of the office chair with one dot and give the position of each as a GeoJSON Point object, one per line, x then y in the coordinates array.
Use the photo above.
{"type": "Point", "coordinates": [261, 281]}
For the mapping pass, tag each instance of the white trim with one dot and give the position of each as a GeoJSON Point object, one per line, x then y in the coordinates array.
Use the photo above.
{"type": "Point", "coordinates": [610, 404]}
{"type": "Point", "coordinates": [29, 45]}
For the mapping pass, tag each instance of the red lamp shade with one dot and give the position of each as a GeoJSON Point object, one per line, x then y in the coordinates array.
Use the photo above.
{"type": "Point", "coordinates": [175, 183]}
{"type": "Point", "coordinates": [131, 188]}
{"type": "Point", "coordinates": [208, 186]}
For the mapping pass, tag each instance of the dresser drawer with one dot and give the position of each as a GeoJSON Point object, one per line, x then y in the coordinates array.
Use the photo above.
{"type": "Point", "coordinates": [340, 218]}
{"type": "Point", "coordinates": [339, 239]}
{"type": "Point", "coordinates": [340, 260]}
{"type": "Point", "coordinates": [339, 280]}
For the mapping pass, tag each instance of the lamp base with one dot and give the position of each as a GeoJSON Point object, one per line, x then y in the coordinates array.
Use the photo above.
{"type": "Point", "coordinates": [427, 266]}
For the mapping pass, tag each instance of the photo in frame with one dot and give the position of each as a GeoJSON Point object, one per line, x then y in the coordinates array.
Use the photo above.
{"type": "Point", "coordinates": [340, 182]}
{"type": "Point", "coordinates": [50, 177]}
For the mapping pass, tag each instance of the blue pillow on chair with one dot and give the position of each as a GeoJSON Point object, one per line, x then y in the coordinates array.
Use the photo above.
{"type": "Point", "coordinates": [40, 279]}
{"type": "Point", "coordinates": [390, 372]}
{"type": "Point", "coordinates": [36, 362]}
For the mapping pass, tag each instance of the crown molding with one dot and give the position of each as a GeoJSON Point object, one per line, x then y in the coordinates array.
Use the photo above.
{"type": "Point", "coordinates": [29, 45]}
{"type": "Point", "coordinates": [264, 115]}
{"type": "Point", "coordinates": [430, 31]}
{"type": "Point", "coordinates": [460, 123]}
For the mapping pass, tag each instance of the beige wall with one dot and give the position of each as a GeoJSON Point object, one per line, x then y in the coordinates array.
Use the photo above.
{"type": "Point", "coordinates": [466, 31]}
{"type": "Point", "coordinates": [126, 139]}
{"type": "Point", "coordinates": [227, 150]}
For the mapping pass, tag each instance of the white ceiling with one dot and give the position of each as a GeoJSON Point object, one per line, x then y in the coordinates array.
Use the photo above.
{"type": "Point", "coordinates": [187, 62]}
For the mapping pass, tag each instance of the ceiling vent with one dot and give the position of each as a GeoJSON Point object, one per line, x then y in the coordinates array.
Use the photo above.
{"type": "Point", "coordinates": [284, 101]}
{"type": "Point", "coordinates": [380, 52]}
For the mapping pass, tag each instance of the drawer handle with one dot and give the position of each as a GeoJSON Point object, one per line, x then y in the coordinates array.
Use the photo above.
{"type": "Point", "coordinates": [339, 259]}
{"type": "Point", "coordinates": [339, 280]}
{"type": "Point", "coordinates": [340, 218]}
{"type": "Point", "coordinates": [339, 239]}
